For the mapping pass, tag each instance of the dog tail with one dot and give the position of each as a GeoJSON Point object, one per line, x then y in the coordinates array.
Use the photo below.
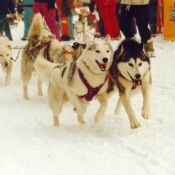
{"type": "Point", "coordinates": [44, 68]}
{"type": "Point", "coordinates": [36, 26]}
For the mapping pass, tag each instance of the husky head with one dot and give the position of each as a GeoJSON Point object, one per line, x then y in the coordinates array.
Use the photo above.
{"type": "Point", "coordinates": [78, 26]}
{"type": "Point", "coordinates": [5, 51]}
{"type": "Point", "coordinates": [131, 61]}
{"type": "Point", "coordinates": [97, 56]}
{"type": "Point", "coordinates": [39, 31]}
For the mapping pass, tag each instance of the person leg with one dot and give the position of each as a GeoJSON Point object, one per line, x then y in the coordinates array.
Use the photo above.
{"type": "Point", "coordinates": [126, 20]}
{"type": "Point", "coordinates": [37, 7]}
{"type": "Point", "coordinates": [71, 24]}
{"type": "Point", "coordinates": [25, 23]}
{"type": "Point", "coordinates": [2, 23]}
{"type": "Point", "coordinates": [110, 20]}
{"type": "Point", "coordinates": [50, 18]}
{"type": "Point", "coordinates": [141, 13]}
{"type": "Point", "coordinates": [7, 30]}
{"type": "Point", "coordinates": [142, 17]}
{"type": "Point", "coordinates": [153, 17]}
{"type": "Point", "coordinates": [113, 20]}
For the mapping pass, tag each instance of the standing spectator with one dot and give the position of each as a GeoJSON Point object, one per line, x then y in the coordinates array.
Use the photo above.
{"type": "Point", "coordinates": [65, 12]}
{"type": "Point", "coordinates": [140, 10]}
{"type": "Point", "coordinates": [153, 17]}
{"type": "Point", "coordinates": [48, 11]}
{"type": "Point", "coordinates": [100, 22]}
{"type": "Point", "coordinates": [6, 7]}
{"type": "Point", "coordinates": [107, 10]}
{"type": "Point", "coordinates": [28, 14]}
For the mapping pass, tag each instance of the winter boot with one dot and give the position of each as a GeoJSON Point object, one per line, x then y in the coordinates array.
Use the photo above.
{"type": "Point", "coordinates": [148, 47]}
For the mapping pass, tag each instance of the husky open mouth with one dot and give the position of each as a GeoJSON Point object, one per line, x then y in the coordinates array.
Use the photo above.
{"type": "Point", "coordinates": [102, 66]}
{"type": "Point", "coordinates": [136, 82]}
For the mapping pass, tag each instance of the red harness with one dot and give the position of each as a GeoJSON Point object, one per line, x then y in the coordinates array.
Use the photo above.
{"type": "Point", "coordinates": [91, 91]}
{"type": "Point", "coordinates": [47, 43]}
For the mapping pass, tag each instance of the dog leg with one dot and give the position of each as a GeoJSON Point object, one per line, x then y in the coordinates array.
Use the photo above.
{"type": "Point", "coordinates": [118, 107]}
{"type": "Point", "coordinates": [26, 74]}
{"type": "Point", "coordinates": [146, 101]}
{"type": "Point", "coordinates": [102, 98]}
{"type": "Point", "coordinates": [8, 73]}
{"type": "Point", "coordinates": [56, 121]}
{"type": "Point", "coordinates": [127, 104]}
{"type": "Point", "coordinates": [40, 91]}
{"type": "Point", "coordinates": [55, 102]}
{"type": "Point", "coordinates": [80, 106]}
{"type": "Point", "coordinates": [80, 119]}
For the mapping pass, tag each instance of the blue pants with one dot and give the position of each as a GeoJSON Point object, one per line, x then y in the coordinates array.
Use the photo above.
{"type": "Point", "coordinates": [4, 26]}
{"type": "Point", "coordinates": [28, 14]}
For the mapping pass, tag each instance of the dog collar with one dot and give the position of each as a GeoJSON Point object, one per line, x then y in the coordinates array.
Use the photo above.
{"type": "Point", "coordinates": [91, 91]}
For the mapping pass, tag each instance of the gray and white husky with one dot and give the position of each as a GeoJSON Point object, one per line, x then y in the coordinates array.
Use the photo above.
{"type": "Point", "coordinates": [80, 81]}
{"type": "Point", "coordinates": [130, 72]}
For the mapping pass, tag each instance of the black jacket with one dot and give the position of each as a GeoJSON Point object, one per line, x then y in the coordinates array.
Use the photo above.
{"type": "Point", "coordinates": [7, 6]}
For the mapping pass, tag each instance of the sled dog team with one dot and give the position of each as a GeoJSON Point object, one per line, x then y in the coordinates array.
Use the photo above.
{"type": "Point", "coordinates": [82, 72]}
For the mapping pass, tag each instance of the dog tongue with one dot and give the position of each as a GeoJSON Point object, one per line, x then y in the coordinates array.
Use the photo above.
{"type": "Point", "coordinates": [103, 66]}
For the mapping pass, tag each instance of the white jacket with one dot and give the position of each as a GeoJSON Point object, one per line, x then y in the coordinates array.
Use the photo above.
{"type": "Point", "coordinates": [135, 2]}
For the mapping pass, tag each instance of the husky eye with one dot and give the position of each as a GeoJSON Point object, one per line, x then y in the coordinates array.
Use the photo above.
{"type": "Point", "coordinates": [130, 64]}
{"type": "Point", "coordinates": [140, 64]}
{"type": "Point", "coordinates": [97, 51]}
{"type": "Point", "coordinates": [107, 51]}
{"type": "Point", "coordinates": [0, 55]}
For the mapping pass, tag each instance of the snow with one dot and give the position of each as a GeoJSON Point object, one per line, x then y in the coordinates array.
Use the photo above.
{"type": "Point", "coordinates": [31, 145]}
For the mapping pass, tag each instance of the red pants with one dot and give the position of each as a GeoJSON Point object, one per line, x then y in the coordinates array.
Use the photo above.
{"type": "Point", "coordinates": [64, 20]}
{"type": "Point", "coordinates": [109, 18]}
{"type": "Point", "coordinates": [49, 16]}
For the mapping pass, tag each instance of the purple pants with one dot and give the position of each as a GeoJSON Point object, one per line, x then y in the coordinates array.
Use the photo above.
{"type": "Point", "coordinates": [49, 17]}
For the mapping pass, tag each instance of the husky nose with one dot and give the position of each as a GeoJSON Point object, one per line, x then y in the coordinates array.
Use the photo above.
{"type": "Point", "coordinates": [5, 64]}
{"type": "Point", "coordinates": [105, 60]}
{"type": "Point", "coordinates": [138, 76]}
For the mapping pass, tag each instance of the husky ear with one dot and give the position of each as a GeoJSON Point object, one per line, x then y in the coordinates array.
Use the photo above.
{"type": "Point", "coordinates": [121, 50]}
{"type": "Point", "coordinates": [107, 38]}
{"type": "Point", "coordinates": [141, 46]}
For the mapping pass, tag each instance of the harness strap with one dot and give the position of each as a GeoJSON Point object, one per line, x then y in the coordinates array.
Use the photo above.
{"type": "Point", "coordinates": [91, 91]}
{"type": "Point", "coordinates": [47, 43]}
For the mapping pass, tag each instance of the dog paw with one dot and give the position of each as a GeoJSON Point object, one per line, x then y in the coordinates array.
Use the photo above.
{"type": "Point", "coordinates": [146, 114]}
{"type": "Point", "coordinates": [98, 119]}
{"type": "Point", "coordinates": [134, 124]}
{"type": "Point", "coordinates": [26, 97]}
{"type": "Point", "coordinates": [117, 111]}
{"type": "Point", "coordinates": [40, 94]}
{"type": "Point", "coordinates": [81, 119]}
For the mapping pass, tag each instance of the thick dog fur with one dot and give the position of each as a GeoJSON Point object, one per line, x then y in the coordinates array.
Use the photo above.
{"type": "Point", "coordinates": [41, 42]}
{"type": "Point", "coordinates": [6, 57]}
{"type": "Point", "coordinates": [133, 67]}
{"type": "Point", "coordinates": [66, 84]}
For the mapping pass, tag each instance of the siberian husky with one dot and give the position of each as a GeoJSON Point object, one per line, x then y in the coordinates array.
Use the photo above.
{"type": "Point", "coordinates": [6, 57]}
{"type": "Point", "coordinates": [131, 73]}
{"type": "Point", "coordinates": [41, 42]}
{"type": "Point", "coordinates": [80, 81]}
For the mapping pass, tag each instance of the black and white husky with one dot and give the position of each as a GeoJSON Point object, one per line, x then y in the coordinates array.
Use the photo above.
{"type": "Point", "coordinates": [80, 81]}
{"type": "Point", "coordinates": [130, 72]}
